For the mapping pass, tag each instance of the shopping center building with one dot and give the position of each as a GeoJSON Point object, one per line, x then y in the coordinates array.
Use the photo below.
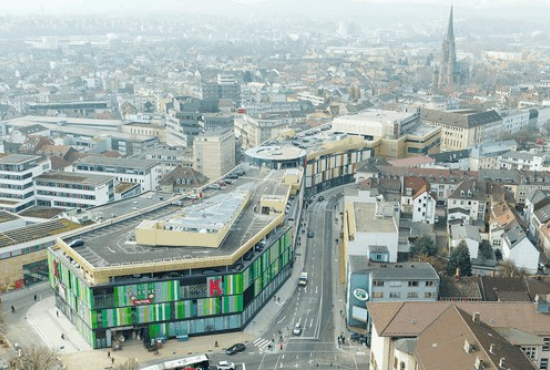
{"type": "Point", "coordinates": [209, 267]}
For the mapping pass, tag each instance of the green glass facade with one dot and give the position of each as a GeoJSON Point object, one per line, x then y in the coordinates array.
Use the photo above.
{"type": "Point", "coordinates": [190, 305]}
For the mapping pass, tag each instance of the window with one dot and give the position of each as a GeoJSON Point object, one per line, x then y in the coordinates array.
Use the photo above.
{"type": "Point", "coordinates": [378, 283]}
{"type": "Point", "coordinates": [545, 344]}
{"type": "Point", "coordinates": [412, 295]}
{"type": "Point", "coordinates": [430, 283]}
{"type": "Point", "coordinates": [395, 283]}
{"type": "Point", "coordinates": [543, 364]}
{"type": "Point", "coordinates": [413, 282]}
{"type": "Point", "coordinates": [530, 352]}
{"type": "Point", "coordinates": [378, 295]}
{"type": "Point", "coordinates": [429, 294]}
{"type": "Point", "coordinates": [395, 295]}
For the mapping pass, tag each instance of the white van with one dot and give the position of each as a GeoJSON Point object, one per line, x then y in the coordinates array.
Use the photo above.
{"type": "Point", "coordinates": [303, 279]}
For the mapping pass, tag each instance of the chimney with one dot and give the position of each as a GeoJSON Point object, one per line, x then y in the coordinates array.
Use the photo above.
{"type": "Point", "coordinates": [476, 317]}
{"type": "Point", "coordinates": [501, 362]}
{"type": "Point", "coordinates": [492, 348]}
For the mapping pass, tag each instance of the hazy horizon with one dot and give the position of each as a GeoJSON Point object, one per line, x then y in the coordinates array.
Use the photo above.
{"type": "Point", "coordinates": [234, 7]}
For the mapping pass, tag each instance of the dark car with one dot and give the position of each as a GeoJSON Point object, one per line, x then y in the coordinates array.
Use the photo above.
{"type": "Point", "coordinates": [310, 234]}
{"type": "Point", "coordinates": [237, 267]}
{"type": "Point", "coordinates": [237, 347]}
{"type": "Point", "coordinates": [321, 198]}
{"type": "Point", "coordinates": [210, 272]}
{"type": "Point", "coordinates": [76, 243]}
{"type": "Point", "coordinates": [248, 256]}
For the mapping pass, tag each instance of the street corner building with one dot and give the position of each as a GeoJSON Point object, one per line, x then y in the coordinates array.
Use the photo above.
{"type": "Point", "coordinates": [207, 268]}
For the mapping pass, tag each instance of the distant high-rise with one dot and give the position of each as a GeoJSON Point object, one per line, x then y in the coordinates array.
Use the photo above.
{"type": "Point", "coordinates": [448, 74]}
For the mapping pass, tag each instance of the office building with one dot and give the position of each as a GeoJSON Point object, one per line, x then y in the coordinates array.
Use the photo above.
{"type": "Point", "coordinates": [146, 173]}
{"type": "Point", "coordinates": [17, 172]}
{"type": "Point", "coordinates": [214, 153]}
{"type": "Point", "coordinates": [74, 190]}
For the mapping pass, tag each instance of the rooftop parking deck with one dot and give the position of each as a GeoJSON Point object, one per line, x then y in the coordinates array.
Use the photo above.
{"type": "Point", "coordinates": [119, 250]}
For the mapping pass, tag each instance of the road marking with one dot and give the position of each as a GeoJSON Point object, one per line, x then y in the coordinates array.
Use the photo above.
{"type": "Point", "coordinates": [284, 317]}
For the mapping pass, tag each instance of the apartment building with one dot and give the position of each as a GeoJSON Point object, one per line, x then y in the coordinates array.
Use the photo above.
{"type": "Point", "coordinates": [380, 282]}
{"type": "Point", "coordinates": [17, 172]}
{"type": "Point", "coordinates": [73, 190]}
{"type": "Point", "coordinates": [214, 153]}
{"type": "Point", "coordinates": [459, 335]}
{"type": "Point", "coordinates": [147, 173]}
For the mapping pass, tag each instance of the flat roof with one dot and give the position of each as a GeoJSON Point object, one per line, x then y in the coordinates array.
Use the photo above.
{"type": "Point", "coordinates": [367, 221]}
{"type": "Point", "coordinates": [79, 178]}
{"type": "Point", "coordinates": [37, 231]}
{"type": "Point", "coordinates": [6, 216]}
{"type": "Point", "coordinates": [276, 152]}
{"type": "Point", "coordinates": [104, 250]}
{"type": "Point", "coordinates": [119, 161]}
{"type": "Point", "coordinates": [15, 158]}
{"type": "Point", "coordinates": [211, 215]}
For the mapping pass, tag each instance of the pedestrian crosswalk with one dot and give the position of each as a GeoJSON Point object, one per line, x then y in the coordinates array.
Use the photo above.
{"type": "Point", "coordinates": [262, 344]}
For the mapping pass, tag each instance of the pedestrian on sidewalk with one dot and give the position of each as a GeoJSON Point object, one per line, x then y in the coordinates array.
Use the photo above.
{"type": "Point", "coordinates": [57, 313]}
{"type": "Point", "coordinates": [109, 354]}
{"type": "Point", "coordinates": [12, 308]}
{"type": "Point", "coordinates": [112, 360]}
{"type": "Point", "coordinates": [35, 297]}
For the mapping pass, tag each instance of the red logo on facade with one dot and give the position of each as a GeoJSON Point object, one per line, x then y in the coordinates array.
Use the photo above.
{"type": "Point", "coordinates": [214, 287]}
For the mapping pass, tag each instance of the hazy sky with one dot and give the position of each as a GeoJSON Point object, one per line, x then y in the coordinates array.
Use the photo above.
{"type": "Point", "coordinates": [368, 11]}
{"type": "Point", "coordinates": [129, 6]}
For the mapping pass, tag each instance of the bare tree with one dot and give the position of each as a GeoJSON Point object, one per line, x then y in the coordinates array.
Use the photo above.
{"type": "Point", "coordinates": [507, 268]}
{"type": "Point", "coordinates": [36, 358]}
{"type": "Point", "coordinates": [130, 364]}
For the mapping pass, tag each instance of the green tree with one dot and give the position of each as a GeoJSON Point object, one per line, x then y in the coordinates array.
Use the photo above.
{"type": "Point", "coordinates": [424, 245]}
{"type": "Point", "coordinates": [460, 258]}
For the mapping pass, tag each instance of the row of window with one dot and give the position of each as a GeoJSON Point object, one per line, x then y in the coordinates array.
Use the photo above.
{"type": "Point", "coordinates": [16, 187]}
{"type": "Point", "coordinates": [410, 295]}
{"type": "Point", "coordinates": [66, 195]}
{"type": "Point", "coordinates": [16, 196]}
{"type": "Point", "coordinates": [398, 283]}
{"type": "Point", "coordinates": [66, 186]}
{"type": "Point", "coordinates": [15, 177]}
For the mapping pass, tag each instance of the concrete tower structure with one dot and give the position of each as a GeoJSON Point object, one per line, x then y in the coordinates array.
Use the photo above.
{"type": "Point", "coordinates": [448, 75]}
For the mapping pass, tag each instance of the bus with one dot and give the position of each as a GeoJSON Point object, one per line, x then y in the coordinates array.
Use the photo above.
{"type": "Point", "coordinates": [200, 362]}
{"type": "Point", "coordinates": [303, 279]}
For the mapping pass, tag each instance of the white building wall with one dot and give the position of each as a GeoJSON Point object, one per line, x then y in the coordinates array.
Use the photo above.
{"type": "Point", "coordinates": [359, 246]}
{"type": "Point", "coordinates": [524, 255]}
{"type": "Point", "coordinates": [379, 349]}
{"type": "Point", "coordinates": [426, 203]}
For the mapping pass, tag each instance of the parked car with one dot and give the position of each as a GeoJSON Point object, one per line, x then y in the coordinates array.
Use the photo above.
{"type": "Point", "coordinates": [310, 234]}
{"type": "Point", "coordinates": [210, 272]}
{"type": "Point", "coordinates": [248, 256]}
{"type": "Point", "coordinates": [321, 198]}
{"type": "Point", "coordinates": [228, 181]}
{"type": "Point", "coordinates": [237, 267]}
{"type": "Point", "coordinates": [76, 243]}
{"type": "Point", "coordinates": [214, 186]}
{"type": "Point", "coordinates": [222, 183]}
{"type": "Point", "coordinates": [225, 365]}
{"type": "Point", "coordinates": [235, 348]}
{"type": "Point", "coordinates": [232, 176]}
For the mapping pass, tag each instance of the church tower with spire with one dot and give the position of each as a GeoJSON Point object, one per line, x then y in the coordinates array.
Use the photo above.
{"type": "Point", "coordinates": [447, 67]}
